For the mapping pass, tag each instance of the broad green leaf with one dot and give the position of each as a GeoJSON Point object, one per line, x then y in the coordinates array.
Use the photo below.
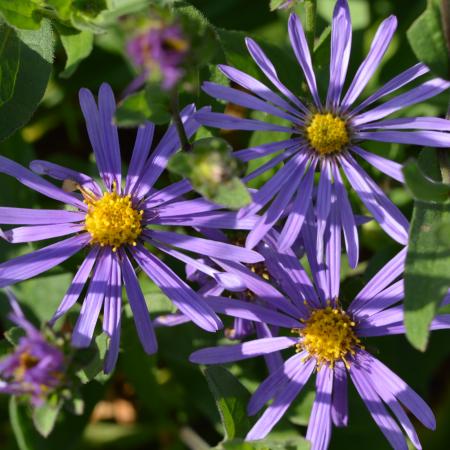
{"type": "Point", "coordinates": [9, 62]}
{"type": "Point", "coordinates": [77, 46]}
{"type": "Point", "coordinates": [149, 104]}
{"type": "Point", "coordinates": [427, 40]}
{"type": "Point", "coordinates": [232, 194]}
{"type": "Point", "coordinates": [36, 54]}
{"type": "Point", "coordinates": [422, 187]}
{"type": "Point", "coordinates": [22, 14]}
{"type": "Point", "coordinates": [94, 369]}
{"type": "Point", "coordinates": [427, 274]}
{"type": "Point", "coordinates": [45, 415]}
{"type": "Point", "coordinates": [231, 399]}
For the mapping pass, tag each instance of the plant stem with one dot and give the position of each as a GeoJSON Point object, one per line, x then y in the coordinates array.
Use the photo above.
{"type": "Point", "coordinates": [185, 144]}
{"type": "Point", "coordinates": [310, 25]}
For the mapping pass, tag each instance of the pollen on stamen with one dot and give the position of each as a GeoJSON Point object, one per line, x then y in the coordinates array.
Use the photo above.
{"type": "Point", "coordinates": [327, 133]}
{"type": "Point", "coordinates": [112, 220]}
{"type": "Point", "coordinates": [328, 336]}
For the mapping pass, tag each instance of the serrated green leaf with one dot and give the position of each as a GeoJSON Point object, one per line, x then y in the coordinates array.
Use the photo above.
{"type": "Point", "coordinates": [427, 275]}
{"type": "Point", "coordinates": [36, 55]}
{"type": "Point", "coordinates": [427, 40]}
{"type": "Point", "coordinates": [231, 399]}
{"type": "Point", "coordinates": [78, 46]}
{"type": "Point", "coordinates": [9, 62]}
{"type": "Point", "coordinates": [44, 417]}
{"type": "Point", "coordinates": [422, 187]}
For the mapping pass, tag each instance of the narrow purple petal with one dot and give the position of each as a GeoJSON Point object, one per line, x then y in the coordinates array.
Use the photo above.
{"type": "Point", "coordinates": [238, 352]}
{"type": "Point", "coordinates": [270, 72]}
{"type": "Point", "coordinates": [391, 86]}
{"type": "Point", "coordinates": [166, 194]}
{"type": "Point", "coordinates": [282, 402]}
{"type": "Point", "coordinates": [380, 44]}
{"type": "Point", "coordinates": [411, 123]}
{"type": "Point", "coordinates": [341, 42]}
{"type": "Point", "coordinates": [320, 426]}
{"type": "Point", "coordinates": [390, 168]}
{"type": "Point", "coordinates": [418, 94]}
{"type": "Point", "coordinates": [92, 304]}
{"type": "Point", "coordinates": [177, 290]}
{"type": "Point", "coordinates": [141, 314]}
{"type": "Point", "coordinates": [425, 138]}
{"type": "Point", "coordinates": [38, 184]}
{"type": "Point", "coordinates": [32, 264]}
{"type": "Point", "coordinates": [323, 204]}
{"type": "Point", "coordinates": [24, 216]}
{"type": "Point", "coordinates": [333, 250]}
{"type": "Point", "coordinates": [265, 149]}
{"type": "Point", "coordinates": [301, 50]}
{"type": "Point", "coordinates": [339, 407]}
{"type": "Point", "coordinates": [41, 232]}
{"type": "Point", "coordinates": [140, 154]}
{"type": "Point", "coordinates": [273, 360]}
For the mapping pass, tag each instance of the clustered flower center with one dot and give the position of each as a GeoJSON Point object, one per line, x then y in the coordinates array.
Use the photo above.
{"type": "Point", "coordinates": [327, 133]}
{"type": "Point", "coordinates": [112, 220]}
{"type": "Point", "coordinates": [328, 336]}
{"type": "Point", "coordinates": [26, 362]}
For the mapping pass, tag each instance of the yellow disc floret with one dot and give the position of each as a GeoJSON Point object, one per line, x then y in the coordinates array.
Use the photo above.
{"type": "Point", "coordinates": [112, 220]}
{"type": "Point", "coordinates": [327, 133]}
{"type": "Point", "coordinates": [328, 336]}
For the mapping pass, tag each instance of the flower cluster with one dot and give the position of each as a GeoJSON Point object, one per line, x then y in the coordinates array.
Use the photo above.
{"type": "Point", "coordinates": [122, 224]}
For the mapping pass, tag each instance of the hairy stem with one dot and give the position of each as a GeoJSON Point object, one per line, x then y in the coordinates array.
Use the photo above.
{"type": "Point", "coordinates": [310, 24]}
{"type": "Point", "coordinates": [185, 144]}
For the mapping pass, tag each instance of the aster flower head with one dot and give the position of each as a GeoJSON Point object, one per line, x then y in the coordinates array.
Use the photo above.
{"type": "Point", "coordinates": [114, 221]}
{"type": "Point", "coordinates": [326, 135]}
{"type": "Point", "coordinates": [328, 339]}
{"type": "Point", "coordinates": [36, 367]}
{"type": "Point", "coordinates": [162, 48]}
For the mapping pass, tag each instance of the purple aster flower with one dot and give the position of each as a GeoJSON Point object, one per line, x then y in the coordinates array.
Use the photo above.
{"type": "Point", "coordinates": [163, 49]}
{"type": "Point", "coordinates": [326, 135]}
{"type": "Point", "coordinates": [114, 222]}
{"type": "Point", "coordinates": [36, 367]}
{"type": "Point", "coordinates": [328, 340]}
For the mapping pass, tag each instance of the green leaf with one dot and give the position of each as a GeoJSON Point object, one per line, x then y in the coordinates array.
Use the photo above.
{"type": "Point", "coordinates": [36, 54]}
{"type": "Point", "coordinates": [275, 4]}
{"type": "Point", "coordinates": [24, 439]}
{"type": "Point", "coordinates": [13, 335]}
{"type": "Point", "coordinates": [77, 46]}
{"type": "Point", "coordinates": [427, 275]}
{"type": "Point", "coordinates": [231, 399]}
{"type": "Point", "coordinates": [44, 416]}
{"type": "Point", "coordinates": [149, 104]}
{"type": "Point", "coordinates": [422, 187]}
{"type": "Point", "coordinates": [427, 40]}
{"type": "Point", "coordinates": [232, 194]}
{"type": "Point", "coordinates": [21, 13]}
{"type": "Point", "coordinates": [94, 368]}
{"type": "Point", "coordinates": [9, 62]}
{"type": "Point", "coordinates": [267, 444]}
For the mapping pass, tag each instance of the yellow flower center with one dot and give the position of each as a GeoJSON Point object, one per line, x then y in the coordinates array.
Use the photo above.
{"type": "Point", "coordinates": [327, 133]}
{"type": "Point", "coordinates": [26, 362]}
{"type": "Point", "coordinates": [112, 220]}
{"type": "Point", "coordinates": [328, 336]}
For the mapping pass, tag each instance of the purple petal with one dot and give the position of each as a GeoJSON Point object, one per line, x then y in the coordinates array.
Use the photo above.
{"type": "Point", "coordinates": [255, 86]}
{"type": "Point", "coordinates": [140, 154]}
{"type": "Point", "coordinates": [341, 42]}
{"type": "Point", "coordinates": [301, 50]}
{"type": "Point", "coordinates": [141, 314]}
{"type": "Point", "coordinates": [62, 173]}
{"type": "Point", "coordinates": [333, 250]}
{"type": "Point", "coordinates": [171, 320]}
{"type": "Point", "coordinates": [282, 402]}
{"type": "Point", "coordinates": [227, 122]}
{"type": "Point", "coordinates": [319, 427]}
{"type": "Point", "coordinates": [246, 100]}
{"type": "Point", "coordinates": [424, 123]}
{"type": "Point", "coordinates": [270, 72]}
{"type": "Point", "coordinates": [273, 360]}
{"type": "Point", "coordinates": [380, 44]}
{"type": "Point", "coordinates": [77, 285]}
{"type": "Point", "coordinates": [41, 232]}
{"type": "Point", "coordinates": [339, 407]}
{"type": "Point", "coordinates": [38, 184]}
{"type": "Point", "coordinates": [167, 194]}
{"type": "Point", "coordinates": [391, 86]}
{"type": "Point", "coordinates": [390, 168]}
{"type": "Point", "coordinates": [384, 211]}
{"type": "Point", "coordinates": [24, 216]}
{"type": "Point", "coordinates": [84, 328]}
{"type": "Point", "coordinates": [205, 246]}
{"type": "Point", "coordinates": [251, 311]}
{"type": "Point", "coordinates": [177, 290]}
{"type": "Point", "coordinates": [32, 264]}
{"type": "Point", "coordinates": [418, 94]}
{"type": "Point", "coordinates": [265, 149]}
{"type": "Point", "coordinates": [426, 138]}
{"type": "Point", "coordinates": [238, 352]}
{"type": "Point", "coordinates": [323, 204]}
{"type": "Point", "coordinates": [301, 204]}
